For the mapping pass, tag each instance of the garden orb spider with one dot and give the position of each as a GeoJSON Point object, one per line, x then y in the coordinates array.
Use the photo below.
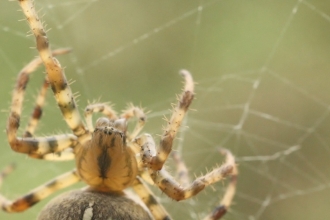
{"type": "Point", "coordinates": [108, 158]}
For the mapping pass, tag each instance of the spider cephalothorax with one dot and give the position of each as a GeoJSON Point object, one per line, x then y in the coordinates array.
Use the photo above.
{"type": "Point", "coordinates": [108, 157]}
{"type": "Point", "coordinates": [105, 162]}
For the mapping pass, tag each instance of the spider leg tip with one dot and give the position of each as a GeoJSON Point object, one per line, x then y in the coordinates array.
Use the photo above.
{"type": "Point", "coordinates": [184, 72]}
{"type": "Point", "coordinates": [219, 211]}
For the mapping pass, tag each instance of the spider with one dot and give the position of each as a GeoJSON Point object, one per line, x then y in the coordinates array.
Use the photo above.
{"type": "Point", "coordinates": [109, 159]}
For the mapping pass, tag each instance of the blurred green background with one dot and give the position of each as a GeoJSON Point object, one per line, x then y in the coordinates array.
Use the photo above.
{"type": "Point", "coordinates": [262, 69]}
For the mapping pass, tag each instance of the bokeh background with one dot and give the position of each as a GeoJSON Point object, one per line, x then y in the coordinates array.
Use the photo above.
{"type": "Point", "coordinates": [262, 73]}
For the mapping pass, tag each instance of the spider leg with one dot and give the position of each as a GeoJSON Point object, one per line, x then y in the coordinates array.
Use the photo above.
{"type": "Point", "coordinates": [227, 199]}
{"type": "Point", "coordinates": [182, 176]}
{"type": "Point", "coordinates": [149, 199]}
{"type": "Point", "coordinates": [103, 108]}
{"type": "Point", "coordinates": [37, 111]}
{"type": "Point", "coordinates": [34, 147]}
{"type": "Point", "coordinates": [144, 147]}
{"type": "Point", "coordinates": [143, 142]}
{"type": "Point", "coordinates": [171, 187]}
{"type": "Point", "coordinates": [165, 146]}
{"type": "Point", "coordinates": [37, 147]}
{"type": "Point", "coordinates": [134, 111]}
{"type": "Point", "coordinates": [39, 193]}
{"type": "Point", "coordinates": [182, 189]}
{"type": "Point", "coordinates": [175, 191]}
{"type": "Point", "coordinates": [65, 155]}
{"type": "Point", "coordinates": [55, 73]}
{"type": "Point", "coordinates": [29, 145]}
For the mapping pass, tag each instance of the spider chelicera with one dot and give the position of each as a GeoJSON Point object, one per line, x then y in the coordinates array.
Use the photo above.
{"type": "Point", "coordinates": [109, 159]}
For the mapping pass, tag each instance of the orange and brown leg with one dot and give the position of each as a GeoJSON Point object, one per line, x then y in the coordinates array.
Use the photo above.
{"type": "Point", "coordinates": [40, 100]}
{"type": "Point", "coordinates": [34, 147]}
{"type": "Point", "coordinates": [173, 124]}
{"type": "Point", "coordinates": [55, 72]}
{"type": "Point", "coordinates": [178, 191]}
{"type": "Point", "coordinates": [149, 199]}
{"type": "Point", "coordinates": [37, 194]}
{"type": "Point", "coordinates": [227, 198]}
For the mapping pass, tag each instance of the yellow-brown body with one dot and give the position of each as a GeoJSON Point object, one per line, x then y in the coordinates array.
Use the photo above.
{"type": "Point", "coordinates": [105, 162]}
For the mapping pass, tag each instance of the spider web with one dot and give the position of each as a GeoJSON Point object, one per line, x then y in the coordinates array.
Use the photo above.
{"type": "Point", "coordinates": [262, 92]}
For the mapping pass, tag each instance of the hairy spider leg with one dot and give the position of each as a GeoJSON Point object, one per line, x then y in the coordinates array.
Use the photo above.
{"type": "Point", "coordinates": [37, 111]}
{"type": "Point", "coordinates": [39, 193]}
{"type": "Point", "coordinates": [137, 145]}
{"type": "Point", "coordinates": [178, 192]}
{"type": "Point", "coordinates": [146, 143]}
{"type": "Point", "coordinates": [34, 147]}
{"type": "Point", "coordinates": [182, 175]}
{"type": "Point", "coordinates": [149, 199]}
{"type": "Point", "coordinates": [55, 73]}
{"type": "Point", "coordinates": [170, 131]}
{"type": "Point", "coordinates": [65, 155]}
{"type": "Point", "coordinates": [141, 145]}
{"type": "Point", "coordinates": [143, 142]}
{"type": "Point", "coordinates": [219, 211]}
{"type": "Point", "coordinates": [40, 100]}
